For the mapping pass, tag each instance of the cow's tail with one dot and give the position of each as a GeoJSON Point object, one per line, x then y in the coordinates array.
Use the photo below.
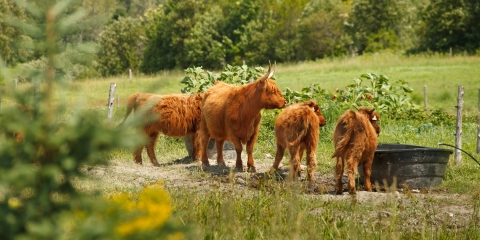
{"type": "Point", "coordinates": [345, 128]}
{"type": "Point", "coordinates": [299, 138]}
{"type": "Point", "coordinates": [131, 104]}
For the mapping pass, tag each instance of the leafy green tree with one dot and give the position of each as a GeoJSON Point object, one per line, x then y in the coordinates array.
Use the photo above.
{"type": "Point", "coordinates": [169, 27]}
{"type": "Point", "coordinates": [137, 8]}
{"type": "Point", "coordinates": [376, 22]}
{"type": "Point", "coordinates": [450, 24]}
{"type": "Point", "coordinates": [204, 45]}
{"type": "Point", "coordinates": [121, 47]}
{"type": "Point", "coordinates": [45, 148]}
{"type": "Point", "coordinates": [237, 15]}
{"type": "Point", "coordinates": [321, 30]}
{"type": "Point", "coordinates": [285, 15]}
{"type": "Point", "coordinates": [98, 11]}
{"type": "Point", "coordinates": [39, 166]}
{"type": "Point", "coordinates": [9, 34]}
{"type": "Point", "coordinates": [256, 41]}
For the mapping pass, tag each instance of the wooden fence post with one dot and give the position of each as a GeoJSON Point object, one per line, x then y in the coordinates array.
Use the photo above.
{"type": "Point", "coordinates": [111, 99]}
{"type": "Point", "coordinates": [130, 73]}
{"type": "Point", "coordinates": [425, 97]}
{"type": "Point", "coordinates": [478, 124]}
{"type": "Point", "coordinates": [458, 134]}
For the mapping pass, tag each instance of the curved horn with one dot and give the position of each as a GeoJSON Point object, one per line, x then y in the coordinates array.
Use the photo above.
{"type": "Point", "coordinates": [267, 74]}
{"type": "Point", "coordinates": [274, 66]}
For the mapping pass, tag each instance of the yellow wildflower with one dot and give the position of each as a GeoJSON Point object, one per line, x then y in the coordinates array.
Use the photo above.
{"type": "Point", "coordinates": [14, 203]}
{"type": "Point", "coordinates": [153, 207]}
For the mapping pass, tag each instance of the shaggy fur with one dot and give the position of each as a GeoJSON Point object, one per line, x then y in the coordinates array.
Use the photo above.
{"type": "Point", "coordinates": [233, 113]}
{"type": "Point", "coordinates": [297, 128]}
{"type": "Point", "coordinates": [355, 139]}
{"type": "Point", "coordinates": [175, 115]}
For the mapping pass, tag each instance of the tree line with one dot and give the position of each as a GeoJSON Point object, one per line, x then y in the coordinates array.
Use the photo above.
{"type": "Point", "coordinates": [150, 36]}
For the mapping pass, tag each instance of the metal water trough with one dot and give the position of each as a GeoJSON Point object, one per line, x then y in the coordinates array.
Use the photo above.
{"type": "Point", "coordinates": [415, 166]}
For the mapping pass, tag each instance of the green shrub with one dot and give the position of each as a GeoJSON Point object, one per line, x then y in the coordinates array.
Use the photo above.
{"type": "Point", "coordinates": [46, 149]}
{"type": "Point", "coordinates": [198, 80]}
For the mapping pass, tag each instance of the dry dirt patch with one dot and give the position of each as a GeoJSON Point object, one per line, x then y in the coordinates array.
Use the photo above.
{"type": "Point", "coordinates": [439, 206]}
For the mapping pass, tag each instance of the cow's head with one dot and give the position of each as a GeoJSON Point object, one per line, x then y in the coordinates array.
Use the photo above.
{"type": "Point", "coordinates": [316, 109]}
{"type": "Point", "coordinates": [373, 117]}
{"type": "Point", "coordinates": [271, 96]}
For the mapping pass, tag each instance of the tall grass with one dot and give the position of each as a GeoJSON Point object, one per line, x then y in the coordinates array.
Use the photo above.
{"type": "Point", "coordinates": [277, 212]}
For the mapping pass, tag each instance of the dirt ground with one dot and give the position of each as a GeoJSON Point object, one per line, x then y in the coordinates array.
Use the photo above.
{"type": "Point", "coordinates": [443, 208]}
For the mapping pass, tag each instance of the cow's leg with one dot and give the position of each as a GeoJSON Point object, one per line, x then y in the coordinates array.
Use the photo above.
{"type": "Point", "coordinates": [196, 147]}
{"type": "Point", "coordinates": [238, 150]}
{"type": "Point", "coordinates": [278, 156]}
{"type": "Point", "coordinates": [338, 175]}
{"type": "Point", "coordinates": [137, 155]}
{"type": "Point", "coordinates": [311, 160]}
{"type": "Point", "coordinates": [301, 150]}
{"type": "Point", "coordinates": [294, 162]}
{"type": "Point", "coordinates": [204, 139]}
{"type": "Point", "coordinates": [367, 172]}
{"type": "Point", "coordinates": [219, 143]}
{"type": "Point", "coordinates": [151, 148]}
{"type": "Point", "coordinates": [352, 164]}
{"type": "Point", "coordinates": [250, 144]}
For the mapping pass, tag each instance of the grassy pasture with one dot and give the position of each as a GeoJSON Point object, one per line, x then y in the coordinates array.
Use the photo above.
{"type": "Point", "coordinates": [441, 74]}
{"type": "Point", "coordinates": [216, 208]}
{"type": "Point", "coordinates": [273, 211]}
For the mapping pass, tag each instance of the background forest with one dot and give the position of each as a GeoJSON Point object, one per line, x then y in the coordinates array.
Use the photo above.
{"type": "Point", "coordinates": [155, 35]}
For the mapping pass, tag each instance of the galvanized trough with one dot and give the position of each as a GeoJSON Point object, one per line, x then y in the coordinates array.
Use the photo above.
{"type": "Point", "coordinates": [415, 166]}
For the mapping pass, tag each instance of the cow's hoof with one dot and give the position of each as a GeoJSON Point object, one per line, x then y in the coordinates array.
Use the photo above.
{"type": "Point", "coordinates": [156, 165]}
{"type": "Point", "coordinates": [252, 170]}
{"type": "Point", "coordinates": [205, 165]}
{"type": "Point", "coordinates": [237, 169]}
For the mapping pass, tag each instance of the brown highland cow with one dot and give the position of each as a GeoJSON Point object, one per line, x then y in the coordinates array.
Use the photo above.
{"type": "Point", "coordinates": [175, 115]}
{"type": "Point", "coordinates": [297, 129]}
{"type": "Point", "coordinates": [355, 139]}
{"type": "Point", "coordinates": [233, 113]}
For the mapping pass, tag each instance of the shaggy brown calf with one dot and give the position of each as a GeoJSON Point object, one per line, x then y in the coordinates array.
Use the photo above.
{"type": "Point", "coordinates": [233, 113]}
{"type": "Point", "coordinates": [176, 115]}
{"type": "Point", "coordinates": [355, 139]}
{"type": "Point", "coordinates": [297, 128]}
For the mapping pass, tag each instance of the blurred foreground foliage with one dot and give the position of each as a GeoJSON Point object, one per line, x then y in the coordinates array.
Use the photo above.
{"type": "Point", "coordinates": [45, 148]}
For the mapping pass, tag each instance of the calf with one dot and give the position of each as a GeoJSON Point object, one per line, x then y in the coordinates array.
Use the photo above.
{"type": "Point", "coordinates": [355, 139]}
{"type": "Point", "coordinates": [297, 128]}
{"type": "Point", "coordinates": [176, 115]}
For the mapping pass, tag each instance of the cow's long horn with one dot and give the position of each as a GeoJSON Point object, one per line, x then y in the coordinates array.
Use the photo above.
{"type": "Point", "coordinates": [273, 71]}
{"type": "Point", "coordinates": [267, 74]}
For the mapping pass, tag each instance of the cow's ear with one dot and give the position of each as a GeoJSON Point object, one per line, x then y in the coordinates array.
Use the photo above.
{"type": "Point", "coordinates": [371, 111]}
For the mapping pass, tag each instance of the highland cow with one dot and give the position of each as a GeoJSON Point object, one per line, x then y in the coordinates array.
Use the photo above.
{"type": "Point", "coordinates": [355, 139]}
{"type": "Point", "coordinates": [175, 115]}
{"type": "Point", "coordinates": [233, 113]}
{"type": "Point", "coordinates": [297, 129]}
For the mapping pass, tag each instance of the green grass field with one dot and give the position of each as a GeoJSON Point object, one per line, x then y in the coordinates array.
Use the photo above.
{"type": "Point", "coordinates": [218, 209]}
{"type": "Point", "coordinates": [440, 74]}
